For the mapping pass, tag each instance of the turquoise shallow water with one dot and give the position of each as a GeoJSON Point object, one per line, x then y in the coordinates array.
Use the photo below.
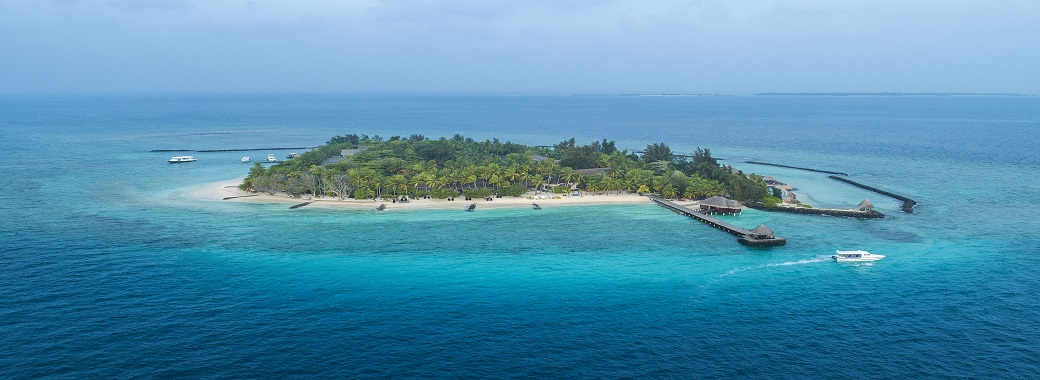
{"type": "Point", "coordinates": [108, 270]}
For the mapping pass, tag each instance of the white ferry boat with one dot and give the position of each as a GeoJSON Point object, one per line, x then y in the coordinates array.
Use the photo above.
{"type": "Point", "coordinates": [271, 158]}
{"type": "Point", "coordinates": [180, 159]}
{"type": "Point", "coordinates": [855, 256]}
{"type": "Point", "coordinates": [245, 159]}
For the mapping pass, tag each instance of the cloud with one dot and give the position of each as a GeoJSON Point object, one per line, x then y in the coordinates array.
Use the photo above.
{"type": "Point", "coordinates": [664, 45]}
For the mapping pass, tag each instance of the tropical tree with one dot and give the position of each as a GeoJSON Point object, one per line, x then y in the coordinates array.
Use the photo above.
{"type": "Point", "coordinates": [668, 191]}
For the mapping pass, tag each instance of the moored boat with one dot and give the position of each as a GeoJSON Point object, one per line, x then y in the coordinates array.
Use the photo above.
{"type": "Point", "coordinates": [271, 158]}
{"type": "Point", "coordinates": [292, 155]}
{"type": "Point", "coordinates": [472, 206]}
{"type": "Point", "coordinates": [855, 256]}
{"type": "Point", "coordinates": [536, 206]}
{"type": "Point", "coordinates": [245, 159]}
{"type": "Point", "coordinates": [180, 159]}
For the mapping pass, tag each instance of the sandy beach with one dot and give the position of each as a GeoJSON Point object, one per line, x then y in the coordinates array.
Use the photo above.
{"type": "Point", "coordinates": [218, 191]}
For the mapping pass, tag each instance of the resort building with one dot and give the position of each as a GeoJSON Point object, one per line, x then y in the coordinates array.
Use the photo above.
{"type": "Point", "coordinates": [343, 154]}
{"type": "Point", "coordinates": [350, 152]}
{"type": "Point", "coordinates": [720, 205]}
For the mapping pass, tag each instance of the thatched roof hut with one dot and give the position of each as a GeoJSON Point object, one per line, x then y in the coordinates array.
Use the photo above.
{"type": "Point", "coordinates": [720, 204]}
{"type": "Point", "coordinates": [762, 232]}
{"type": "Point", "coordinates": [865, 205]}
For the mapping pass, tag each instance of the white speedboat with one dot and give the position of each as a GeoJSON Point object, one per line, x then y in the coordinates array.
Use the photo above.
{"type": "Point", "coordinates": [292, 155]}
{"type": "Point", "coordinates": [245, 159]}
{"type": "Point", "coordinates": [180, 159]}
{"type": "Point", "coordinates": [855, 256]}
{"type": "Point", "coordinates": [271, 158]}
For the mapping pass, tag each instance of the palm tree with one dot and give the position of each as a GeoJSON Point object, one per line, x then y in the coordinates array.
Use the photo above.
{"type": "Point", "coordinates": [356, 179]}
{"type": "Point", "coordinates": [536, 181]}
{"type": "Point", "coordinates": [690, 193]}
{"type": "Point", "coordinates": [567, 174]}
{"type": "Point", "coordinates": [551, 167]}
{"type": "Point", "coordinates": [668, 191]}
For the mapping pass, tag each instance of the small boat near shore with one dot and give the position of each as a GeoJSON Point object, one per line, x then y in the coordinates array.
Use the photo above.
{"type": "Point", "coordinates": [245, 159]}
{"type": "Point", "coordinates": [271, 158]}
{"type": "Point", "coordinates": [181, 159]}
{"type": "Point", "coordinates": [292, 155]}
{"type": "Point", "coordinates": [855, 256]}
{"type": "Point", "coordinates": [381, 207]}
{"type": "Point", "coordinates": [472, 206]}
{"type": "Point", "coordinates": [536, 206]}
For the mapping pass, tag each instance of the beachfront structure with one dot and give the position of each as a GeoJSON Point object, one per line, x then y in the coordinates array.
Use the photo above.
{"type": "Point", "coordinates": [721, 205]}
{"type": "Point", "coordinates": [761, 232]}
{"type": "Point", "coordinates": [865, 205]}
{"type": "Point", "coordinates": [343, 154]}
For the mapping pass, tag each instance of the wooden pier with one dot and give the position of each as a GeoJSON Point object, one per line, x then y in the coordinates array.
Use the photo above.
{"type": "Point", "coordinates": [744, 236]}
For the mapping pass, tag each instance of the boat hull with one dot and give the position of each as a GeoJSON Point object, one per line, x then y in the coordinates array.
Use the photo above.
{"type": "Point", "coordinates": [859, 260]}
{"type": "Point", "coordinates": [856, 257]}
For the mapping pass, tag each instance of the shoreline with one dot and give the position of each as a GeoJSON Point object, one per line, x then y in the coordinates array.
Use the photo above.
{"type": "Point", "coordinates": [217, 191]}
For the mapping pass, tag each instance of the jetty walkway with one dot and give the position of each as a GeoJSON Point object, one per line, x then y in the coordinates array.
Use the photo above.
{"type": "Point", "coordinates": [908, 204]}
{"type": "Point", "coordinates": [744, 236]}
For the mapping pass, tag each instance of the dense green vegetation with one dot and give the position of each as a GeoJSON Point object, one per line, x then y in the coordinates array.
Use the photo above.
{"type": "Point", "coordinates": [416, 166]}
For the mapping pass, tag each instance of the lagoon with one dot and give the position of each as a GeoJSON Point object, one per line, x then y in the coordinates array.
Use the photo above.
{"type": "Point", "coordinates": [111, 269]}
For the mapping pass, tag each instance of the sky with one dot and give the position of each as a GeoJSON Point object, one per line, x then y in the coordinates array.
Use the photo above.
{"type": "Point", "coordinates": [520, 46]}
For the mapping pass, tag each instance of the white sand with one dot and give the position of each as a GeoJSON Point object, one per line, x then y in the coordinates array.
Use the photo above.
{"type": "Point", "coordinates": [217, 191]}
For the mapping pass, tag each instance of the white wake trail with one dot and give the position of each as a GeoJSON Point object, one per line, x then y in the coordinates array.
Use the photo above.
{"type": "Point", "coordinates": [817, 259]}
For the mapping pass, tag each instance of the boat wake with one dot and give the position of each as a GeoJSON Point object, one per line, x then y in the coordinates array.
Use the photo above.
{"type": "Point", "coordinates": [817, 259]}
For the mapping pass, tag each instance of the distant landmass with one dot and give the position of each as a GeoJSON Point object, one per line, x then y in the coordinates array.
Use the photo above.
{"type": "Point", "coordinates": [886, 94]}
{"type": "Point", "coordinates": [670, 94]}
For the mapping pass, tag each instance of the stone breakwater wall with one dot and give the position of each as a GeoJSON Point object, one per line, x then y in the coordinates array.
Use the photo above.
{"type": "Point", "coordinates": [908, 204]}
{"type": "Point", "coordinates": [794, 167]}
{"type": "Point", "coordinates": [869, 214]}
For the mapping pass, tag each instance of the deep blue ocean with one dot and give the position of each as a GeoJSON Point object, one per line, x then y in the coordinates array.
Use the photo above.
{"type": "Point", "coordinates": [108, 270]}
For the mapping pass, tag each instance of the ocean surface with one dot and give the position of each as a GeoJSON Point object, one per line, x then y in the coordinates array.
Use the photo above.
{"type": "Point", "coordinates": [108, 269]}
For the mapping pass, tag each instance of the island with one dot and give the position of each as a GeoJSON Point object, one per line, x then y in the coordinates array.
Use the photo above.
{"type": "Point", "coordinates": [414, 168]}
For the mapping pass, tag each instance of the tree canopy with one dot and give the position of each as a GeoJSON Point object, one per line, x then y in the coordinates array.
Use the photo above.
{"type": "Point", "coordinates": [417, 166]}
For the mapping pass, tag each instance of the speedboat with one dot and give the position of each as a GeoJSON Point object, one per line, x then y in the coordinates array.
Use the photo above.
{"type": "Point", "coordinates": [271, 158]}
{"type": "Point", "coordinates": [180, 159]}
{"type": "Point", "coordinates": [536, 206]}
{"type": "Point", "coordinates": [245, 159]}
{"type": "Point", "coordinates": [855, 256]}
{"type": "Point", "coordinates": [292, 155]}
{"type": "Point", "coordinates": [472, 206]}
